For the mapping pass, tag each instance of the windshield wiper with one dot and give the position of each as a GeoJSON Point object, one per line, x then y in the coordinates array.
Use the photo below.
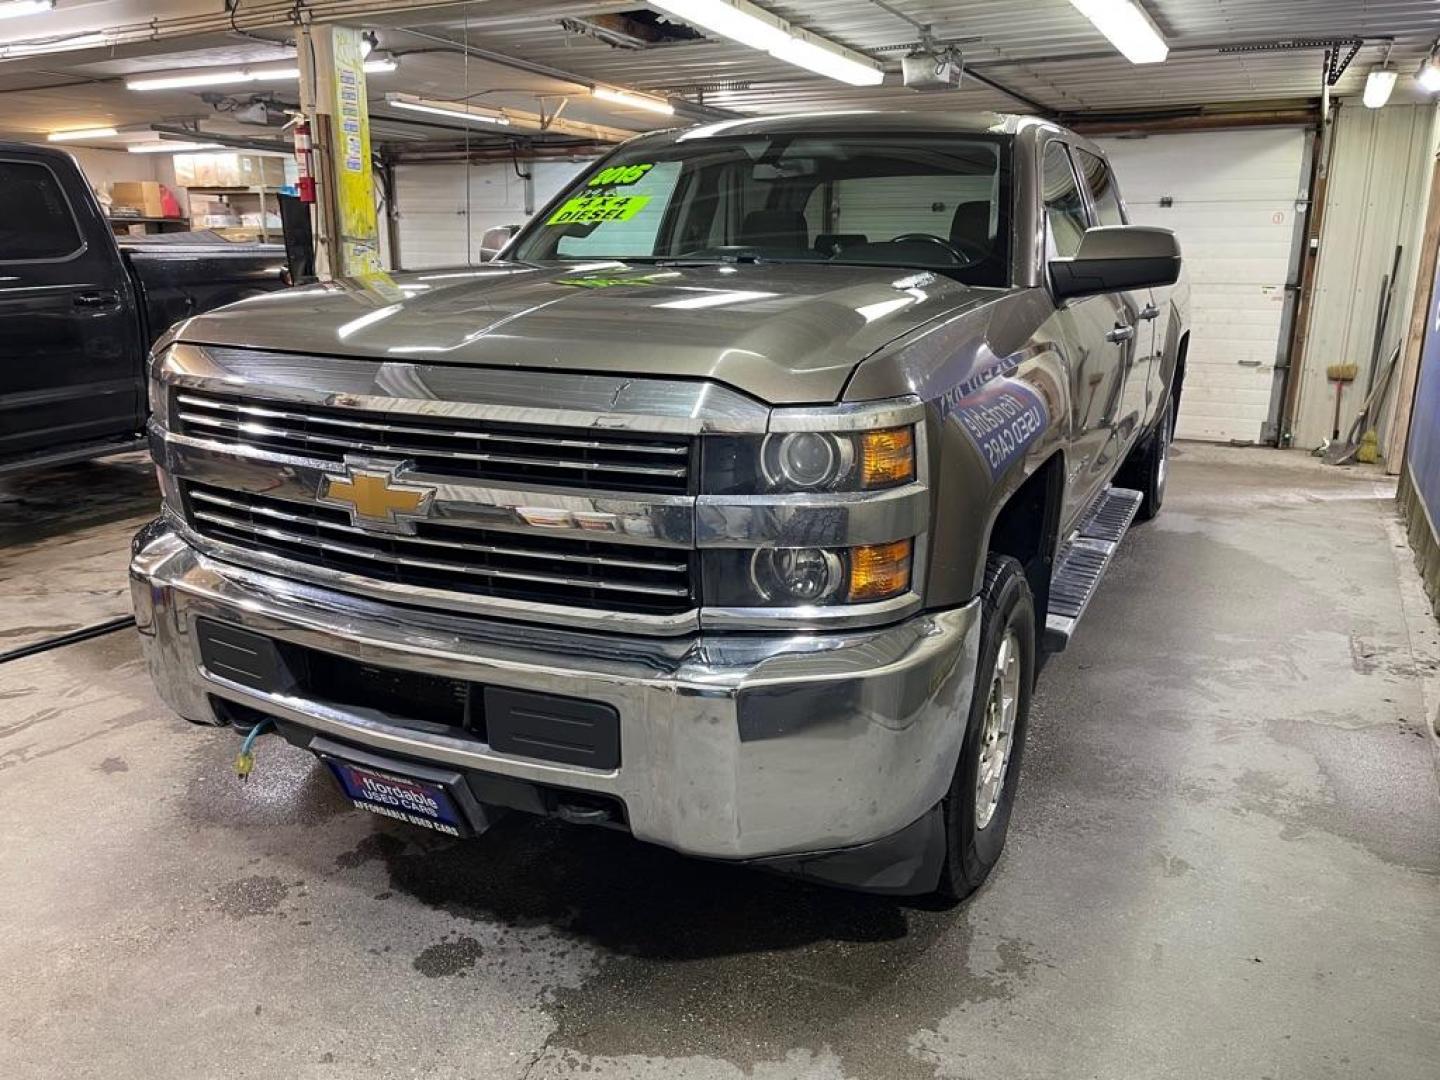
{"type": "Point", "coordinates": [720, 258]}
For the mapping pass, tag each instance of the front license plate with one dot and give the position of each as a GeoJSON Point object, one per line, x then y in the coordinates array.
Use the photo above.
{"type": "Point", "coordinates": [416, 802]}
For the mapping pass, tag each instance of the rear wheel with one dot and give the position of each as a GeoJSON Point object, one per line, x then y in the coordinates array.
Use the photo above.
{"type": "Point", "coordinates": [977, 809]}
{"type": "Point", "coordinates": [1149, 471]}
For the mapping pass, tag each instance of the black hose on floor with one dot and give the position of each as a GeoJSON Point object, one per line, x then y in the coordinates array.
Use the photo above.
{"type": "Point", "coordinates": [85, 633]}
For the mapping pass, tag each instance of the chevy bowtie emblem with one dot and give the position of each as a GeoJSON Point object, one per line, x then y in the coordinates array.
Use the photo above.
{"type": "Point", "coordinates": [375, 499]}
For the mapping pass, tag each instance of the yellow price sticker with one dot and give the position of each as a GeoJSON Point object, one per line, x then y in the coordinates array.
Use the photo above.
{"type": "Point", "coordinates": [619, 175]}
{"type": "Point", "coordinates": [588, 209]}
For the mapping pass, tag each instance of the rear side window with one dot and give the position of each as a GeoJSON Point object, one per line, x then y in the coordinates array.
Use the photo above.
{"type": "Point", "coordinates": [1064, 207]}
{"type": "Point", "coordinates": [35, 218]}
{"type": "Point", "coordinates": [1101, 182]}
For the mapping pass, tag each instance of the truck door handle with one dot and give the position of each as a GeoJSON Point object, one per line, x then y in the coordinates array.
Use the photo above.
{"type": "Point", "coordinates": [1149, 311]}
{"type": "Point", "coordinates": [1120, 333]}
{"type": "Point", "coordinates": [96, 299]}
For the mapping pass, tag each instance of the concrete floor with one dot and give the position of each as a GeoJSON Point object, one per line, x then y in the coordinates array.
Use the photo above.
{"type": "Point", "coordinates": [1225, 861]}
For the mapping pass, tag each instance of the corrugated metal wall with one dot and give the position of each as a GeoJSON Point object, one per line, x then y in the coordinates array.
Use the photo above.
{"type": "Point", "coordinates": [1379, 178]}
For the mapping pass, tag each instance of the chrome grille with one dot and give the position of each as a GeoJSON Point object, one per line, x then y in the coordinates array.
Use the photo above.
{"type": "Point", "coordinates": [552, 570]}
{"type": "Point", "coordinates": [480, 450]}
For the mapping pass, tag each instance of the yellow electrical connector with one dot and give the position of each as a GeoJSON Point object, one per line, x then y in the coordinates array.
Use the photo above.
{"type": "Point", "coordinates": [244, 763]}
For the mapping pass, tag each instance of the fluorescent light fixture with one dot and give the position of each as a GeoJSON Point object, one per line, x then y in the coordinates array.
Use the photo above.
{"type": "Point", "coordinates": [1378, 87]}
{"type": "Point", "coordinates": [633, 101]}
{"type": "Point", "coordinates": [174, 147]}
{"type": "Point", "coordinates": [13, 9]}
{"type": "Point", "coordinates": [81, 134]}
{"type": "Point", "coordinates": [452, 110]}
{"type": "Point", "coordinates": [807, 53]}
{"type": "Point", "coordinates": [1128, 27]}
{"type": "Point", "coordinates": [742, 21]}
{"type": "Point", "coordinates": [1429, 74]}
{"type": "Point", "coordinates": [226, 76]}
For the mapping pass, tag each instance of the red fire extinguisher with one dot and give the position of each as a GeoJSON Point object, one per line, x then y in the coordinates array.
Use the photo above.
{"type": "Point", "coordinates": [306, 183]}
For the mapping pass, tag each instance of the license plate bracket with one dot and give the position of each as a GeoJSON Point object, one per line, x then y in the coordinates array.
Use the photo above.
{"type": "Point", "coordinates": [436, 799]}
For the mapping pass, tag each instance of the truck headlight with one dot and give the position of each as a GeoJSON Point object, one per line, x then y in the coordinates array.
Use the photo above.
{"type": "Point", "coordinates": [809, 576]}
{"type": "Point", "coordinates": [806, 461]}
{"type": "Point", "coordinates": [790, 575]}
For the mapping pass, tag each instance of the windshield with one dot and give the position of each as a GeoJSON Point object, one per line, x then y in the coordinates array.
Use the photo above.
{"type": "Point", "coordinates": [933, 202]}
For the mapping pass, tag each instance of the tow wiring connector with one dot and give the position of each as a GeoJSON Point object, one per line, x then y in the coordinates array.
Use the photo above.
{"type": "Point", "coordinates": [245, 760]}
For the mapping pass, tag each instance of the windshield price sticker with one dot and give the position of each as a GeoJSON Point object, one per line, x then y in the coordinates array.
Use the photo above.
{"type": "Point", "coordinates": [588, 209]}
{"type": "Point", "coordinates": [619, 175]}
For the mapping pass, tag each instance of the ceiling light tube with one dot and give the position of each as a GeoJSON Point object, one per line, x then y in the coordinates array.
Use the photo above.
{"type": "Point", "coordinates": [237, 75]}
{"type": "Point", "coordinates": [1129, 28]}
{"type": "Point", "coordinates": [733, 19]}
{"type": "Point", "coordinates": [80, 134]}
{"type": "Point", "coordinates": [13, 9]}
{"type": "Point", "coordinates": [1378, 87]}
{"type": "Point", "coordinates": [173, 147]}
{"type": "Point", "coordinates": [742, 21]}
{"type": "Point", "coordinates": [633, 101]}
{"type": "Point", "coordinates": [825, 61]}
{"type": "Point", "coordinates": [452, 110]}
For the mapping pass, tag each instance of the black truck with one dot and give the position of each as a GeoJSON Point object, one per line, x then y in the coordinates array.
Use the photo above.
{"type": "Point", "coordinates": [79, 309]}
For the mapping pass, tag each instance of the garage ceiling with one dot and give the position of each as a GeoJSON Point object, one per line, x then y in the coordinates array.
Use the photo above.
{"type": "Point", "coordinates": [1021, 55]}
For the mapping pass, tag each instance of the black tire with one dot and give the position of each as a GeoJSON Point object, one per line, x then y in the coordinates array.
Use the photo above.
{"type": "Point", "coordinates": [973, 847]}
{"type": "Point", "coordinates": [1150, 470]}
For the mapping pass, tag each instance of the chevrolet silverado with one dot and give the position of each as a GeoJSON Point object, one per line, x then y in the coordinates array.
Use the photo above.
{"type": "Point", "coordinates": [731, 506]}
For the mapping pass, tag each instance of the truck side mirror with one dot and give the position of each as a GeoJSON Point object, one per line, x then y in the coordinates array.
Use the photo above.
{"type": "Point", "coordinates": [492, 241]}
{"type": "Point", "coordinates": [1113, 258]}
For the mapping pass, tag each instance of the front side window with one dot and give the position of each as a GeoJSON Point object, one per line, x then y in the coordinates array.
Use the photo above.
{"type": "Point", "coordinates": [1103, 191]}
{"type": "Point", "coordinates": [35, 218]}
{"type": "Point", "coordinates": [922, 201]}
{"type": "Point", "coordinates": [1064, 207]}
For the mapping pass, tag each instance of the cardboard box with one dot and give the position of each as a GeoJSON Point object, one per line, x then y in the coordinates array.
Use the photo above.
{"type": "Point", "coordinates": [144, 197]}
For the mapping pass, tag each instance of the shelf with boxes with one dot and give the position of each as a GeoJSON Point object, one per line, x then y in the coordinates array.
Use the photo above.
{"type": "Point", "coordinates": [235, 195]}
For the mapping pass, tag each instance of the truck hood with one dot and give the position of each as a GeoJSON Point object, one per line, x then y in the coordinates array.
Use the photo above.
{"type": "Point", "coordinates": [782, 333]}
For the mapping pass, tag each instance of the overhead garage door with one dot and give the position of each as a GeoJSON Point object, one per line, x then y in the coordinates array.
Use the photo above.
{"type": "Point", "coordinates": [433, 207]}
{"type": "Point", "coordinates": [1232, 201]}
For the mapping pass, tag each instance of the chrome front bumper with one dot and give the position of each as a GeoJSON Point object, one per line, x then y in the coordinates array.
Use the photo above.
{"type": "Point", "coordinates": [733, 746]}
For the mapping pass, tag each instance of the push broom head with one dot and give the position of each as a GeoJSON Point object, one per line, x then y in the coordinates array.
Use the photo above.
{"type": "Point", "coordinates": [1342, 372]}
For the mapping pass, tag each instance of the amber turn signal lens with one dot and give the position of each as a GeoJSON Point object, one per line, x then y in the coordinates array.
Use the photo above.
{"type": "Point", "coordinates": [887, 457]}
{"type": "Point", "coordinates": [880, 571]}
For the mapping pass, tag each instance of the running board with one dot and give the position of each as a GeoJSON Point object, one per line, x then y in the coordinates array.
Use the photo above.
{"type": "Point", "coordinates": [1083, 560]}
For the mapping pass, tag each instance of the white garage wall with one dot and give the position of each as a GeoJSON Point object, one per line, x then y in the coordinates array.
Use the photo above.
{"type": "Point", "coordinates": [103, 167]}
{"type": "Point", "coordinates": [1235, 195]}
{"type": "Point", "coordinates": [432, 209]}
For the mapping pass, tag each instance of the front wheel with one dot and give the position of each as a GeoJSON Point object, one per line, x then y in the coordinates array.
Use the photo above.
{"type": "Point", "coordinates": [977, 809]}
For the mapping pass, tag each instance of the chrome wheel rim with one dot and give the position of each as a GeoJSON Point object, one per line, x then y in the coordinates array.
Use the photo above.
{"type": "Point", "coordinates": [997, 735]}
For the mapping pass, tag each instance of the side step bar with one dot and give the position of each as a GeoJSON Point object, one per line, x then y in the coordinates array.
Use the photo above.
{"type": "Point", "coordinates": [1083, 560]}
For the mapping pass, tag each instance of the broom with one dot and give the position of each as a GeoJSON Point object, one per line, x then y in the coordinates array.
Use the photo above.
{"type": "Point", "coordinates": [1340, 374]}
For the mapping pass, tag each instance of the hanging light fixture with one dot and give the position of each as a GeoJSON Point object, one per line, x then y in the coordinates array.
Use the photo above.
{"type": "Point", "coordinates": [1379, 85]}
{"type": "Point", "coordinates": [749, 24]}
{"type": "Point", "coordinates": [1429, 74]}
{"type": "Point", "coordinates": [1129, 28]}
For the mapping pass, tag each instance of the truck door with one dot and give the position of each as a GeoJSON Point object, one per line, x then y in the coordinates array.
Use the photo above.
{"type": "Point", "coordinates": [1095, 334]}
{"type": "Point", "coordinates": [1141, 305]}
{"type": "Point", "coordinates": [70, 356]}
